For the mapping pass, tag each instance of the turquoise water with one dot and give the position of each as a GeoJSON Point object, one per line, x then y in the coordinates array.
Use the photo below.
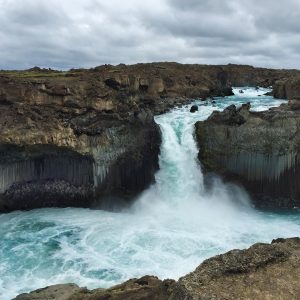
{"type": "Point", "coordinates": [171, 228]}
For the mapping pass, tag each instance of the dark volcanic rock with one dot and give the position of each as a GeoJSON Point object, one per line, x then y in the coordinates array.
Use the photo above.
{"type": "Point", "coordinates": [264, 271]}
{"type": "Point", "coordinates": [194, 108]}
{"type": "Point", "coordinates": [230, 116]}
{"type": "Point", "coordinates": [50, 157]}
{"type": "Point", "coordinates": [259, 150]}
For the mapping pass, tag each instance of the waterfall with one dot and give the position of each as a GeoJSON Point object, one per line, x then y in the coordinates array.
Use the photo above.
{"type": "Point", "coordinates": [180, 182]}
{"type": "Point", "coordinates": [169, 231]}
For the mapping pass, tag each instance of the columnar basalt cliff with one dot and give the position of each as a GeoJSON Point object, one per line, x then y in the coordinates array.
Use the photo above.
{"type": "Point", "coordinates": [52, 157]}
{"type": "Point", "coordinates": [264, 271]}
{"type": "Point", "coordinates": [259, 150]}
{"type": "Point", "coordinates": [87, 137]}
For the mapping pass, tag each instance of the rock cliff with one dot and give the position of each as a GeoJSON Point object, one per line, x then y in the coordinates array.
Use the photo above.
{"type": "Point", "coordinates": [264, 271]}
{"type": "Point", "coordinates": [259, 150]}
{"type": "Point", "coordinates": [87, 137]}
{"type": "Point", "coordinates": [287, 88]}
{"type": "Point", "coordinates": [56, 157]}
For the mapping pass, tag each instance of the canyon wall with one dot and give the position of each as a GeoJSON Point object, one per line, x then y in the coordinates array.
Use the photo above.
{"type": "Point", "coordinates": [55, 157]}
{"type": "Point", "coordinates": [259, 150]}
{"type": "Point", "coordinates": [88, 137]}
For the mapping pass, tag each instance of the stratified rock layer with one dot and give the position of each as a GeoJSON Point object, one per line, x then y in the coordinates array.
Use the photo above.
{"type": "Point", "coordinates": [259, 150]}
{"type": "Point", "coordinates": [264, 271]}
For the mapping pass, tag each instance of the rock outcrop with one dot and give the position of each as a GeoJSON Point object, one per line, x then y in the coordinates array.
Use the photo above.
{"type": "Point", "coordinates": [287, 88]}
{"type": "Point", "coordinates": [264, 271]}
{"type": "Point", "coordinates": [259, 150]}
{"type": "Point", "coordinates": [50, 156]}
{"type": "Point", "coordinates": [123, 88]}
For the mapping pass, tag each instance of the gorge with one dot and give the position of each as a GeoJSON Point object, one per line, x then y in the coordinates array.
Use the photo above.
{"type": "Point", "coordinates": [88, 139]}
{"type": "Point", "coordinates": [168, 231]}
{"type": "Point", "coordinates": [100, 121]}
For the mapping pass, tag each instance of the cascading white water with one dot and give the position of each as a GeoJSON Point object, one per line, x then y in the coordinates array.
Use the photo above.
{"type": "Point", "coordinates": [170, 229]}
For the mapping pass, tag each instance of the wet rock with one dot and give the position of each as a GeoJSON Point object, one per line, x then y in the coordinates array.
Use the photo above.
{"type": "Point", "coordinates": [230, 116]}
{"type": "Point", "coordinates": [54, 193]}
{"type": "Point", "coordinates": [194, 108]}
{"type": "Point", "coordinates": [241, 91]}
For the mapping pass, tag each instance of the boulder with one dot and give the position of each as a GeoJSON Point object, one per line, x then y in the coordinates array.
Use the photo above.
{"type": "Point", "coordinates": [194, 108]}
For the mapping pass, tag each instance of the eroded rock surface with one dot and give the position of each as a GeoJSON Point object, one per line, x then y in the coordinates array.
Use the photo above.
{"type": "Point", "coordinates": [69, 158]}
{"type": "Point", "coordinates": [264, 271]}
{"type": "Point", "coordinates": [54, 292]}
{"type": "Point", "coordinates": [261, 272]}
{"type": "Point", "coordinates": [259, 150]}
{"type": "Point", "coordinates": [287, 88]}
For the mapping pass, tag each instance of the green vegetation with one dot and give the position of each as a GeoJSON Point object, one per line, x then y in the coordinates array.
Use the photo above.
{"type": "Point", "coordinates": [39, 73]}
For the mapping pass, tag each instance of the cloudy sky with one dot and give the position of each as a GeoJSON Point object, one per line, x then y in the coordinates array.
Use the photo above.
{"type": "Point", "coordinates": [85, 33]}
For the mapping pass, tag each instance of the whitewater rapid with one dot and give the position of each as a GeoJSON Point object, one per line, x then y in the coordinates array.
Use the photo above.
{"type": "Point", "coordinates": [168, 232]}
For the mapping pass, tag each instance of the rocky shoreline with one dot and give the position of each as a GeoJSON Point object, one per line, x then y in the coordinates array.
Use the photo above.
{"type": "Point", "coordinates": [264, 271]}
{"type": "Point", "coordinates": [88, 138]}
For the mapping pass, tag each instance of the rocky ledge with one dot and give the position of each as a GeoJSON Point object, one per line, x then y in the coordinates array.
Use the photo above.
{"type": "Point", "coordinates": [264, 271]}
{"type": "Point", "coordinates": [259, 150]}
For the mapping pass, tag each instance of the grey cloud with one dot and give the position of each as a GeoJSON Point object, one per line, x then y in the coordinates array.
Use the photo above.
{"type": "Point", "coordinates": [73, 33]}
{"type": "Point", "coordinates": [215, 6]}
